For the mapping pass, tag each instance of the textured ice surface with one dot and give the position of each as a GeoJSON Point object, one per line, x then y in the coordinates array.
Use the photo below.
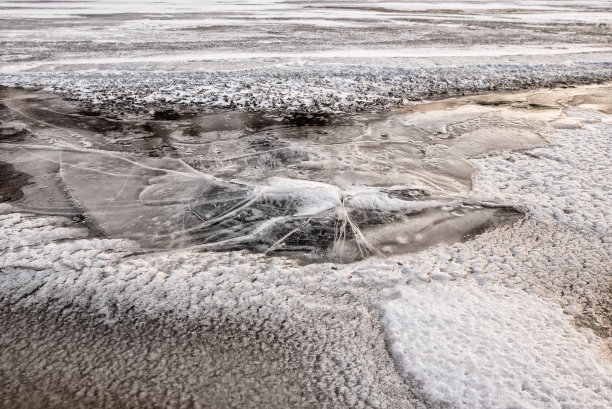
{"type": "Point", "coordinates": [327, 186]}
{"type": "Point", "coordinates": [77, 303]}
{"type": "Point", "coordinates": [307, 87]}
{"type": "Point", "coordinates": [88, 321]}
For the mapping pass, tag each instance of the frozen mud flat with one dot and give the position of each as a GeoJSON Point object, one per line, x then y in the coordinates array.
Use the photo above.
{"type": "Point", "coordinates": [449, 254]}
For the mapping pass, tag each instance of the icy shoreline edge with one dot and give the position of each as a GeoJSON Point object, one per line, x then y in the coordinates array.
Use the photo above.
{"type": "Point", "coordinates": [305, 88]}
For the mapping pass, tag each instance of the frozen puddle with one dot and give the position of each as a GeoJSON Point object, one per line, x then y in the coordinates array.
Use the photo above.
{"type": "Point", "coordinates": [320, 187]}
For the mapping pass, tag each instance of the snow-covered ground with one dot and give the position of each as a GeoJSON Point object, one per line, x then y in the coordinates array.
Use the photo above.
{"type": "Point", "coordinates": [495, 348]}
{"type": "Point", "coordinates": [306, 87]}
{"type": "Point", "coordinates": [470, 335]}
{"type": "Point", "coordinates": [193, 126]}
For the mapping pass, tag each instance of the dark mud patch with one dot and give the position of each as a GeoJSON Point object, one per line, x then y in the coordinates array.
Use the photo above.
{"type": "Point", "coordinates": [11, 182]}
{"type": "Point", "coordinates": [166, 115]}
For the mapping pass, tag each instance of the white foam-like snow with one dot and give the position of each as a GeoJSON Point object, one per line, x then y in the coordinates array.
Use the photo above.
{"type": "Point", "coordinates": [314, 197]}
{"type": "Point", "coordinates": [478, 348]}
{"type": "Point", "coordinates": [566, 184]}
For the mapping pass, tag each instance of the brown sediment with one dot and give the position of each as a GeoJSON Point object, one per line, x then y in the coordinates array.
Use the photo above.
{"type": "Point", "coordinates": [597, 315]}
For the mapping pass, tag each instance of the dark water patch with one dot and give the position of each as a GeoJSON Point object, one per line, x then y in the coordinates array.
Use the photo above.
{"type": "Point", "coordinates": [11, 182]}
{"type": "Point", "coordinates": [337, 234]}
{"type": "Point", "coordinates": [166, 115]}
{"type": "Point", "coordinates": [502, 215]}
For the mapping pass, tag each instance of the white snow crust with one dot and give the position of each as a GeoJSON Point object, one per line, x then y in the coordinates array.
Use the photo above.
{"type": "Point", "coordinates": [305, 87]}
{"type": "Point", "coordinates": [517, 317]}
{"type": "Point", "coordinates": [495, 348]}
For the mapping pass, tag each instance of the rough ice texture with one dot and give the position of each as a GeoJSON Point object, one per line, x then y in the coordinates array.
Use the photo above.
{"type": "Point", "coordinates": [92, 323]}
{"type": "Point", "coordinates": [308, 87]}
{"type": "Point", "coordinates": [88, 323]}
{"type": "Point", "coordinates": [562, 249]}
{"type": "Point", "coordinates": [567, 184]}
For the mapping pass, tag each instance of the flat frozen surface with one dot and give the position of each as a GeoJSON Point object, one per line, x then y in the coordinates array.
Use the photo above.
{"type": "Point", "coordinates": [112, 34]}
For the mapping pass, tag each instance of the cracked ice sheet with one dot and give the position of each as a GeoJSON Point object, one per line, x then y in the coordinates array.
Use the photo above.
{"type": "Point", "coordinates": [470, 335]}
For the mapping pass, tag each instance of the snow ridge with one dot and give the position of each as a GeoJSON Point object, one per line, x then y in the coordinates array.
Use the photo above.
{"type": "Point", "coordinates": [307, 87]}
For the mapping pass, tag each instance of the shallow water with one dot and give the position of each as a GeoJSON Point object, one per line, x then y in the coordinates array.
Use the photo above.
{"type": "Point", "coordinates": [318, 187]}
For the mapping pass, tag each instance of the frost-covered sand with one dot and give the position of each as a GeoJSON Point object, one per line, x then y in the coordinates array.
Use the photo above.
{"type": "Point", "coordinates": [176, 233]}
